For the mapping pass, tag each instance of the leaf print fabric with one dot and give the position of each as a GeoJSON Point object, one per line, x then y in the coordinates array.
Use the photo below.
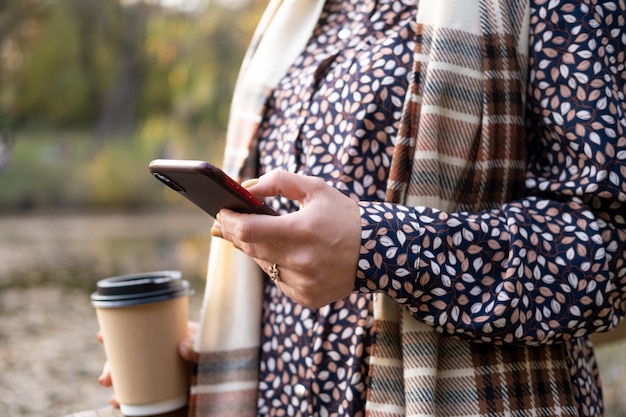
{"type": "Point", "coordinates": [578, 89]}
{"type": "Point", "coordinates": [547, 268]}
{"type": "Point", "coordinates": [537, 271]}
{"type": "Point", "coordinates": [333, 116]}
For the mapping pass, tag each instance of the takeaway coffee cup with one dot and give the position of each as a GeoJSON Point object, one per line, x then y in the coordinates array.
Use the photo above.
{"type": "Point", "coordinates": [142, 318]}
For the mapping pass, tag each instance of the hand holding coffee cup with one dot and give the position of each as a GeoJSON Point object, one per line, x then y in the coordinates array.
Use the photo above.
{"type": "Point", "coordinates": [185, 350]}
{"type": "Point", "coordinates": [143, 318]}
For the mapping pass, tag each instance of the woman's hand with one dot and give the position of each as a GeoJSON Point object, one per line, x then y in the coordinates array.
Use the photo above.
{"type": "Point", "coordinates": [316, 249]}
{"type": "Point", "coordinates": [185, 348]}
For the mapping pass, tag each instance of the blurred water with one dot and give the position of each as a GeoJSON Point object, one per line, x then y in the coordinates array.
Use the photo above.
{"type": "Point", "coordinates": [75, 250]}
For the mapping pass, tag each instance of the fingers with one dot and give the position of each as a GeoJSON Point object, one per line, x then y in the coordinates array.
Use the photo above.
{"type": "Point", "coordinates": [287, 184]}
{"type": "Point", "coordinates": [187, 351]}
{"type": "Point", "coordinates": [257, 228]}
{"type": "Point", "coordinates": [267, 228]}
{"type": "Point", "coordinates": [252, 228]}
{"type": "Point", "coordinates": [193, 327]}
{"type": "Point", "coordinates": [316, 248]}
{"type": "Point", "coordinates": [185, 348]}
{"type": "Point", "coordinates": [114, 403]}
{"type": "Point", "coordinates": [105, 377]}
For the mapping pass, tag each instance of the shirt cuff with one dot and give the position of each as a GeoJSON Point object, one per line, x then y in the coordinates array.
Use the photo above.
{"type": "Point", "coordinates": [390, 236]}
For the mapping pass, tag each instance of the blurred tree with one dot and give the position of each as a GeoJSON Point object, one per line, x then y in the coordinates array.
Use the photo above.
{"type": "Point", "coordinates": [109, 65]}
{"type": "Point", "coordinates": [218, 44]}
{"type": "Point", "coordinates": [94, 18]}
{"type": "Point", "coordinates": [56, 77]}
{"type": "Point", "coordinates": [12, 15]}
{"type": "Point", "coordinates": [200, 55]}
{"type": "Point", "coordinates": [161, 75]}
{"type": "Point", "coordinates": [7, 140]}
{"type": "Point", "coordinates": [118, 116]}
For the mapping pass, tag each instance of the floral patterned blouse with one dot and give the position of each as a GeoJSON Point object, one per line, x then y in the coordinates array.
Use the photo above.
{"type": "Point", "coordinates": [335, 114]}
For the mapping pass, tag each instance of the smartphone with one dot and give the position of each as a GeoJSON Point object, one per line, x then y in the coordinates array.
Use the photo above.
{"type": "Point", "coordinates": [207, 186]}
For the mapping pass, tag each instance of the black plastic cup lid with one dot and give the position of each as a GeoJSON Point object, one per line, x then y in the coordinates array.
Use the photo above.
{"type": "Point", "coordinates": [141, 288]}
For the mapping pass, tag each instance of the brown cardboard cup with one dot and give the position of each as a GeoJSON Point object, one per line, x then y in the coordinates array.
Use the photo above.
{"type": "Point", "coordinates": [142, 318]}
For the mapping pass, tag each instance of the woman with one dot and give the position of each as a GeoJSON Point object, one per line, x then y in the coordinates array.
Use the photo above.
{"type": "Point", "coordinates": [452, 182]}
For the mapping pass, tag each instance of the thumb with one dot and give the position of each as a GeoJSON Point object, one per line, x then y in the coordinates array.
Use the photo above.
{"type": "Point", "coordinates": [187, 351]}
{"type": "Point", "coordinates": [287, 184]}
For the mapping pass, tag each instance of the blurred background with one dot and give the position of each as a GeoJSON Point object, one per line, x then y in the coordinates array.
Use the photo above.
{"type": "Point", "coordinates": [90, 92]}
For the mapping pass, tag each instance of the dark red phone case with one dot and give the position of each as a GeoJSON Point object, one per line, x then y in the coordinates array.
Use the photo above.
{"type": "Point", "coordinates": [206, 186]}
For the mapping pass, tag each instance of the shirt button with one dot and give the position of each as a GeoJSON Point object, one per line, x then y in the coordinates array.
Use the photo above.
{"type": "Point", "coordinates": [299, 390]}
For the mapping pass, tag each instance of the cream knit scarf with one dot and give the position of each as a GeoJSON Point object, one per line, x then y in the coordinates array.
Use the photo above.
{"type": "Point", "coordinates": [451, 133]}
